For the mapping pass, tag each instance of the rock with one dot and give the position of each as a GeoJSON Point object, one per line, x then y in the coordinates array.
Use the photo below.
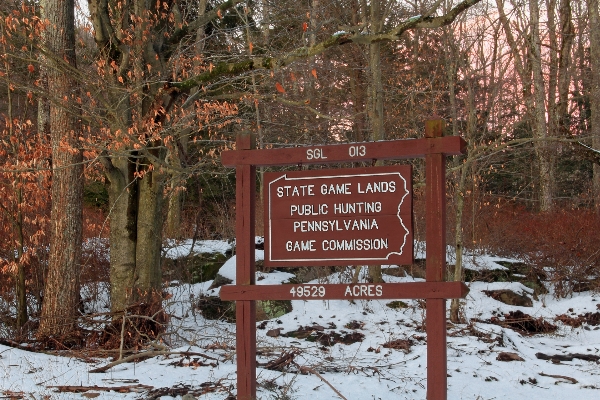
{"type": "Point", "coordinates": [514, 272]}
{"type": "Point", "coordinates": [397, 304]}
{"type": "Point", "coordinates": [525, 323]}
{"type": "Point", "coordinates": [509, 297]}
{"type": "Point", "coordinates": [586, 285]}
{"type": "Point", "coordinates": [194, 268]}
{"type": "Point", "coordinates": [399, 344]}
{"type": "Point", "coordinates": [508, 356]}
{"type": "Point", "coordinates": [274, 332]}
{"type": "Point", "coordinates": [213, 307]}
{"type": "Point", "coordinates": [270, 309]}
{"type": "Point", "coordinates": [219, 281]}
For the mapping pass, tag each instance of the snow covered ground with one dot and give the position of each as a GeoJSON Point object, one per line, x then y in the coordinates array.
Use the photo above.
{"type": "Point", "coordinates": [205, 366]}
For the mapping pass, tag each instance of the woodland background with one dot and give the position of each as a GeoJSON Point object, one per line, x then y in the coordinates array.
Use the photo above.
{"type": "Point", "coordinates": [114, 115]}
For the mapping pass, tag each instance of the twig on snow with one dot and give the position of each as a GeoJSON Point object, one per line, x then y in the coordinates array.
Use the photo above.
{"type": "Point", "coordinates": [306, 370]}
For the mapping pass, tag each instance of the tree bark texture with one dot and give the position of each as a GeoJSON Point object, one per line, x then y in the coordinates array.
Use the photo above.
{"type": "Point", "coordinates": [61, 294]}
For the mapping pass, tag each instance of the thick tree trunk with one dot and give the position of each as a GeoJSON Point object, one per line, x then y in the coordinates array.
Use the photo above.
{"type": "Point", "coordinates": [175, 203]}
{"type": "Point", "coordinates": [61, 294]}
{"type": "Point", "coordinates": [135, 234]}
{"type": "Point", "coordinates": [123, 233]}
{"type": "Point", "coordinates": [148, 280]}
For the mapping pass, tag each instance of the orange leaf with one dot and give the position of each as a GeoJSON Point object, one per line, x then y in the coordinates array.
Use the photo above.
{"type": "Point", "coordinates": [250, 46]}
{"type": "Point", "coordinates": [304, 27]}
{"type": "Point", "coordinates": [314, 73]}
{"type": "Point", "coordinates": [31, 68]}
{"type": "Point", "coordinates": [219, 14]}
{"type": "Point", "coordinates": [279, 88]}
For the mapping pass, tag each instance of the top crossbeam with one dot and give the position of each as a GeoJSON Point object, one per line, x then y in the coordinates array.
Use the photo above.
{"type": "Point", "coordinates": [352, 152]}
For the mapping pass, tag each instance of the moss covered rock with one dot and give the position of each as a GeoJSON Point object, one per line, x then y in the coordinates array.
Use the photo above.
{"type": "Point", "coordinates": [214, 308]}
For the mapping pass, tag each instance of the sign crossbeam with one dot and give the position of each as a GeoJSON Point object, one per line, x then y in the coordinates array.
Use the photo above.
{"type": "Point", "coordinates": [354, 152]}
{"type": "Point", "coordinates": [359, 291]}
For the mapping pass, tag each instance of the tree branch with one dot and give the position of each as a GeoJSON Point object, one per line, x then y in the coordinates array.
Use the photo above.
{"type": "Point", "coordinates": [337, 39]}
{"type": "Point", "coordinates": [590, 153]}
{"type": "Point", "coordinates": [149, 354]}
{"type": "Point", "coordinates": [202, 20]}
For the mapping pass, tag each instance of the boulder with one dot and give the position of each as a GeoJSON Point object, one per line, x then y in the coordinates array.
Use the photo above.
{"type": "Point", "coordinates": [509, 297]}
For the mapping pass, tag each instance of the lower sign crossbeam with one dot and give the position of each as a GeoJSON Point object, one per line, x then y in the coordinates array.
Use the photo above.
{"type": "Point", "coordinates": [365, 291]}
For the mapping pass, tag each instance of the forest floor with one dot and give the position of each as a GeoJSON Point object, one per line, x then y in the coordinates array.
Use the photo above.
{"type": "Point", "coordinates": [357, 350]}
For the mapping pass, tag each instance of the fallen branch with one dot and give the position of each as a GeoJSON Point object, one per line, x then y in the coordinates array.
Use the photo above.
{"type": "Point", "coordinates": [282, 362]}
{"type": "Point", "coordinates": [13, 344]}
{"type": "Point", "coordinates": [568, 378]}
{"type": "Point", "coordinates": [306, 370]}
{"type": "Point", "coordinates": [568, 357]}
{"type": "Point", "coordinates": [148, 354]}
{"type": "Point", "coordinates": [120, 389]}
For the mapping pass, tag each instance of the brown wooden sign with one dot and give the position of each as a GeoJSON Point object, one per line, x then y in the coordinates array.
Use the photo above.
{"type": "Point", "coordinates": [341, 216]}
{"type": "Point", "coordinates": [382, 205]}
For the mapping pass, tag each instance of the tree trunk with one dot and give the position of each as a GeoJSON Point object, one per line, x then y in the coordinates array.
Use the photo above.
{"type": "Point", "coordinates": [460, 195]}
{"type": "Point", "coordinates": [17, 223]}
{"type": "Point", "coordinates": [375, 101]}
{"type": "Point", "coordinates": [123, 233]}
{"type": "Point", "coordinates": [594, 18]}
{"type": "Point", "coordinates": [543, 148]}
{"type": "Point", "coordinates": [148, 280]}
{"type": "Point", "coordinates": [534, 98]}
{"type": "Point", "coordinates": [61, 294]}
{"type": "Point", "coordinates": [21, 290]}
{"type": "Point", "coordinates": [564, 66]}
{"type": "Point", "coordinates": [356, 76]}
{"type": "Point", "coordinates": [135, 234]}
{"type": "Point", "coordinates": [175, 203]}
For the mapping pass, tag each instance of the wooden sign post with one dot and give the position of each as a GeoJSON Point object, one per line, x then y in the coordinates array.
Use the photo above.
{"type": "Point", "coordinates": [342, 217]}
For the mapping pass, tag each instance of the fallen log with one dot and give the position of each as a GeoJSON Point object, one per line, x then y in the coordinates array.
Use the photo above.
{"type": "Point", "coordinates": [120, 389]}
{"type": "Point", "coordinates": [568, 357]}
{"type": "Point", "coordinates": [148, 354]}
